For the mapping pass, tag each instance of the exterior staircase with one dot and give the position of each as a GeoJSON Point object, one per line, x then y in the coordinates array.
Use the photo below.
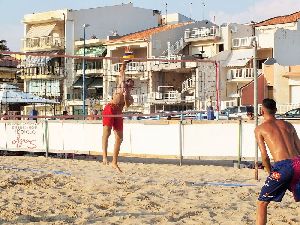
{"type": "Point", "coordinates": [175, 48]}
{"type": "Point", "coordinates": [188, 85]}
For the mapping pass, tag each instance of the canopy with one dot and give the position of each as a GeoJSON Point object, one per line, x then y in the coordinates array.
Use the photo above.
{"type": "Point", "coordinates": [40, 30]}
{"type": "Point", "coordinates": [10, 94]}
{"type": "Point", "coordinates": [78, 83]}
{"type": "Point", "coordinates": [96, 83]}
{"type": "Point", "coordinates": [240, 57]}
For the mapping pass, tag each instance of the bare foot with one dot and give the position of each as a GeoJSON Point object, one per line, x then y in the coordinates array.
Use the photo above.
{"type": "Point", "coordinates": [105, 161]}
{"type": "Point", "coordinates": [115, 166]}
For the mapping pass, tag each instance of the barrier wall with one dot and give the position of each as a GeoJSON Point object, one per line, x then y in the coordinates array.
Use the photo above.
{"type": "Point", "coordinates": [167, 138]}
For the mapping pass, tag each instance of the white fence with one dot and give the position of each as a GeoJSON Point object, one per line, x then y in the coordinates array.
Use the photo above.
{"type": "Point", "coordinates": [202, 138]}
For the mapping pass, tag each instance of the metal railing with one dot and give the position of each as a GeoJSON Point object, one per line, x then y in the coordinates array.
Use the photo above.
{"type": "Point", "coordinates": [44, 42]}
{"type": "Point", "coordinates": [140, 99]}
{"type": "Point", "coordinates": [244, 73]}
{"type": "Point", "coordinates": [174, 48]}
{"type": "Point", "coordinates": [202, 32]}
{"type": "Point", "coordinates": [168, 95]}
{"type": "Point", "coordinates": [131, 66]}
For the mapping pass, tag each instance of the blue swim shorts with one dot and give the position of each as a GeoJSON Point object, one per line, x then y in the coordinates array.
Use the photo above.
{"type": "Point", "coordinates": [285, 175]}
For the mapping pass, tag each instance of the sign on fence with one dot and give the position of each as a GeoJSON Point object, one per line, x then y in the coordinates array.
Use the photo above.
{"type": "Point", "coordinates": [27, 136]}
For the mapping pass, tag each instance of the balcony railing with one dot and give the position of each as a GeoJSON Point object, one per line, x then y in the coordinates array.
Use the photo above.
{"type": "Point", "coordinates": [131, 67]}
{"type": "Point", "coordinates": [203, 32]}
{"type": "Point", "coordinates": [43, 42]}
{"type": "Point", "coordinates": [243, 42]}
{"type": "Point", "coordinates": [140, 99]}
{"type": "Point", "coordinates": [166, 96]}
{"type": "Point", "coordinates": [42, 70]}
{"type": "Point", "coordinates": [91, 68]}
{"type": "Point", "coordinates": [245, 73]}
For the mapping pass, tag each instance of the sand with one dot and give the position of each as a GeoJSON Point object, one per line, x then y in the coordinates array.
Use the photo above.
{"type": "Point", "coordinates": [39, 190]}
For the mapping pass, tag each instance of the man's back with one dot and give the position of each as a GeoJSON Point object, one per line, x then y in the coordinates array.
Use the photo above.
{"type": "Point", "coordinates": [281, 138]}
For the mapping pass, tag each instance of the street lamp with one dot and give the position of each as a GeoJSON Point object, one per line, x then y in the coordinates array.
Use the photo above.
{"type": "Point", "coordinates": [255, 94]}
{"type": "Point", "coordinates": [83, 71]}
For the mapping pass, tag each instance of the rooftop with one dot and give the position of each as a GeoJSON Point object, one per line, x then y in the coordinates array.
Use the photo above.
{"type": "Point", "coordinates": [146, 34]}
{"type": "Point", "coordinates": [294, 17]}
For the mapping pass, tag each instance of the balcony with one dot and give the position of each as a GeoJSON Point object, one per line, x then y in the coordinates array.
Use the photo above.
{"type": "Point", "coordinates": [240, 75]}
{"type": "Point", "coordinates": [43, 43]}
{"type": "Point", "coordinates": [140, 99]}
{"type": "Point", "coordinates": [42, 72]}
{"type": "Point", "coordinates": [167, 97]}
{"type": "Point", "coordinates": [91, 68]}
{"type": "Point", "coordinates": [203, 33]}
{"type": "Point", "coordinates": [166, 65]}
{"type": "Point", "coordinates": [245, 42]}
{"type": "Point", "coordinates": [133, 68]}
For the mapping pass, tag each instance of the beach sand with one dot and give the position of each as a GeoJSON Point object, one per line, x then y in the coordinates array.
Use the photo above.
{"type": "Point", "coordinates": [39, 190]}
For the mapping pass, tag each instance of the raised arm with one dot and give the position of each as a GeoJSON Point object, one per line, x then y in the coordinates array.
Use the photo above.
{"type": "Point", "coordinates": [121, 82]}
{"type": "Point", "coordinates": [263, 150]}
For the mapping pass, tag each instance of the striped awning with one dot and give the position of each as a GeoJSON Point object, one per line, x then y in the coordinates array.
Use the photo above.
{"type": "Point", "coordinates": [40, 30]}
{"type": "Point", "coordinates": [96, 83]}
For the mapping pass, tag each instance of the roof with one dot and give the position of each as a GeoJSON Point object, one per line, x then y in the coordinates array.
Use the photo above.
{"type": "Point", "coordinates": [146, 34]}
{"type": "Point", "coordinates": [294, 17]}
{"type": "Point", "coordinates": [8, 61]}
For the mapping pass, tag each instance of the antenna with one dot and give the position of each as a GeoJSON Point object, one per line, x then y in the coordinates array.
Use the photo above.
{"type": "Point", "coordinates": [191, 10]}
{"type": "Point", "coordinates": [203, 6]}
{"type": "Point", "coordinates": [166, 13]}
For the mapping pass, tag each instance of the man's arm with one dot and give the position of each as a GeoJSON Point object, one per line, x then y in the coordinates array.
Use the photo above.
{"type": "Point", "coordinates": [264, 154]}
{"type": "Point", "coordinates": [121, 82]}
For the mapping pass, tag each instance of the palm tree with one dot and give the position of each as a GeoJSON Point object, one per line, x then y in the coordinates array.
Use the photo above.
{"type": "Point", "coordinates": [3, 46]}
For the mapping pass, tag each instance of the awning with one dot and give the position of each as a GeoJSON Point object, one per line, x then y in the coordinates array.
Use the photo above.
{"type": "Point", "coordinates": [40, 30]}
{"type": "Point", "coordinates": [96, 83]}
{"type": "Point", "coordinates": [240, 57]}
{"type": "Point", "coordinates": [92, 51]}
{"type": "Point", "coordinates": [78, 82]}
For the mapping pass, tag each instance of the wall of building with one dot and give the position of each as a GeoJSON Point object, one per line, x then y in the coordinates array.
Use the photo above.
{"type": "Point", "coordinates": [281, 85]}
{"type": "Point", "coordinates": [174, 18]}
{"type": "Point", "coordinates": [160, 40]}
{"type": "Point", "coordinates": [266, 33]}
{"type": "Point", "coordinates": [247, 93]}
{"type": "Point", "coordinates": [268, 71]}
{"type": "Point", "coordinates": [286, 47]}
{"type": "Point", "coordinates": [123, 19]}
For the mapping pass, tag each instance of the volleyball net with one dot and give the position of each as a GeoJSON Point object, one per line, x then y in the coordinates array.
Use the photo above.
{"type": "Point", "coordinates": [78, 83]}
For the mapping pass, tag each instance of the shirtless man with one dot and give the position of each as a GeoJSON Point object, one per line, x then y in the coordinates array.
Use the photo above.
{"type": "Point", "coordinates": [284, 145]}
{"type": "Point", "coordinates": [121, 98]}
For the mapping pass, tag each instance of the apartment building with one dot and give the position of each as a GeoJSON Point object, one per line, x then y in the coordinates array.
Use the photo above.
{"type": "Point", "coordinates": [162, 85]}
{"type": "Point", "coordinates": [48, 35]}
{"type": "Point", "coordinates": [278, 40]}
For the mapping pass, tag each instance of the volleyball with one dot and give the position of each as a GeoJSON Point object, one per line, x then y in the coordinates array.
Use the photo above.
{"type": "Point", "coordinates": [128, 56]}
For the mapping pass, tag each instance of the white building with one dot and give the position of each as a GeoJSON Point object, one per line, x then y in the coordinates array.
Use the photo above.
{"type": "Point", "coordinates": [55, 33]}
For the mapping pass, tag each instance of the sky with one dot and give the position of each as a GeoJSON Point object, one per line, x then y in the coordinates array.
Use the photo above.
{"type": "Point", "coordinates": [218, 11]}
